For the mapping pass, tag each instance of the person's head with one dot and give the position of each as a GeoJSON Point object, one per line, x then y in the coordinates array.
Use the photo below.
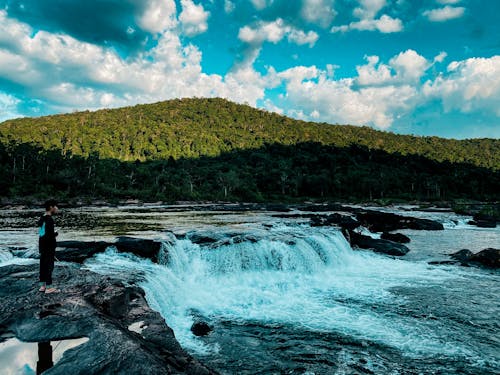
{"type": "Point", "coordinates": [51, 206]}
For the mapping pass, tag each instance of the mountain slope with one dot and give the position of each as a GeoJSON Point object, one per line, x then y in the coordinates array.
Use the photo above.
{"type": "Point", "coordinates": [208, 127]}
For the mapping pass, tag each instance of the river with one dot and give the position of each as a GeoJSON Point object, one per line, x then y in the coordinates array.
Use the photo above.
{"type": "Point", "coordinates": [290, 298]}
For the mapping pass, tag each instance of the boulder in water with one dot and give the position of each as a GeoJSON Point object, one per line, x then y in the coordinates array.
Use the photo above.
{"type": "Point", "coordinates": [483, 223]}
{"type": "Point", "coordinates": [204, 238]}
{"type": "Point", "coordinates": [385, 222]}
{"type": "Point", "coordinates": [488, 258]}
{"type": "Point", "coordinates": [396, 237]}
{"type": "Point", "coordinates": [379, 246]}
{"type": "Point", "coordinates": [141, 247]}
{"type": "Point", "coordinates": [200, 328]}
{"type": "Point", "coordinates": [485, 220]}
{"type": "Point", "coordinates": [343, 221]}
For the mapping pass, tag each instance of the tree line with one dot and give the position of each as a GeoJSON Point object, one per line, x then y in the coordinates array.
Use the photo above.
{"type": "Point", "coordinates": [273, 172]}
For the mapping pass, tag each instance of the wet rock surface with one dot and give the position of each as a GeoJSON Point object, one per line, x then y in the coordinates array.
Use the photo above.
{"type": "Point", "coordinates": [377, 245]}
{"type": "Point", "coordinates": [484, 221]}
{"type": "Point", "coordinates": [201, 328]}
{"type": "Point", "coordinates": [487, 258]}
{"type": "Point", "coordinates": [79, 251]}
{"type": "Point", "coordinates": [396, 237]}
{"type": "Point", "coordinates": [93, 306]}
{"type": "Point", "coordinates": [377, 221]}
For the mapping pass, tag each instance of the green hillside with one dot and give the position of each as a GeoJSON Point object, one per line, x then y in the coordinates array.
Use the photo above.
{"type": "Point", "coordinates": [195, 127]}
{"type": "Point", "coordinates": [212, 149]}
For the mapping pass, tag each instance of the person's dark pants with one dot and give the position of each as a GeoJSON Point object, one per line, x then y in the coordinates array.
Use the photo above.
{"type": "Point", "coordinates": [46, 266]}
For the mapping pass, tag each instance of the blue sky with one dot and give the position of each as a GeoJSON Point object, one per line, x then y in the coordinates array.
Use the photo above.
{"type": "Point", "coordinates": [428, 67]}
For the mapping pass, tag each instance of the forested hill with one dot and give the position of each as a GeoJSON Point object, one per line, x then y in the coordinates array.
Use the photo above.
{"type": "Point", "coordinates": [187, 128]}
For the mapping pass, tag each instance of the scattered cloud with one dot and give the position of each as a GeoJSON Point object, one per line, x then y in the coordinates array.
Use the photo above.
{"type": "Point", "coordinates": [378, 95]}
{"type": "Point", "coordinates": [157, 16]}
{"type": "Point", "coordinates": [449, 1]}
{"type": "Point", "coordinates": [469, 85]}
{"type": "Point", "coordinates": [229, 6]}
{"type": "Point", "coordinates": [444, 14]}
{"type": "Point", "coordinates": [67, 73]}
{"type": "Point", "coordinates": [261, 4]}
{"type": "Point", "coordinates": [440, 57]}
{"type": "Point", "coordinates": [366, 13]}
{"type": "Point", "coordinates": [274, 32]}
{"type": "Point", "coordinates": [8, 106]}
{"type": "Point", "coordinates": [193, 18]}
{"type": "Point", "coordinates": [320, 12]}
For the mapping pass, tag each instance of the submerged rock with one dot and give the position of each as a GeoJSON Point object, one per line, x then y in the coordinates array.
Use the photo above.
{"type": "Point", "coordinates": [379, 246]}
{"type": "Point", "coordinates": [93, 306]}
{"type": "Point", "coordinates": [396, 237]}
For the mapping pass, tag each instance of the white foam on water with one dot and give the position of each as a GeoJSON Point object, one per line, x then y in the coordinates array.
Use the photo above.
{"type": "Point", "coordinates": [306, 277]}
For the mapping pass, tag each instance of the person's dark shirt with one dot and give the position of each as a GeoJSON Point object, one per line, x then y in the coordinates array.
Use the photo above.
{"type": "Point", "coordinates": [46, 232]}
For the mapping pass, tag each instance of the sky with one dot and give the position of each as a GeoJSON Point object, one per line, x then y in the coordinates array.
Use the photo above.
{"type": "Point", "coordinates": [424, 67]}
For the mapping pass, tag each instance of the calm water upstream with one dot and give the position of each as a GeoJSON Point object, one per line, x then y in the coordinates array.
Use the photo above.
{"type": "Point", "coordinates": [296, 299]}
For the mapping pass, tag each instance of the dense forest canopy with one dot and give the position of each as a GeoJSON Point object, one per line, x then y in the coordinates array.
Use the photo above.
{"type": "Point", "coordinates": [213, 149]}
{"type": "Point", "coordinates": [208, 127]}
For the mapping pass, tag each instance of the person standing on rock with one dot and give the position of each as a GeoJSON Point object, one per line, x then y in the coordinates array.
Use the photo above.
{"type": "Point", "coordinates": [47, 246]}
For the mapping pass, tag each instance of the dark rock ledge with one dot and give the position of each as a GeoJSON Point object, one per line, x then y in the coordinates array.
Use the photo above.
{"type": "Point", "coordinates": [93, 306]}
{"type": "Point", "coordinates": [79, 251]}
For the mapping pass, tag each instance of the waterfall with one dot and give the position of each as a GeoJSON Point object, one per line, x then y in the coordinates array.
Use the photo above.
{"type": "Point", "coordinates": [296, 275]}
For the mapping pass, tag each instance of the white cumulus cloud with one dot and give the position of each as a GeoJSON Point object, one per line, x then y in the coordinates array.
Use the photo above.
{"type": "Point", "coordinates": [469, 85]}
{"type": "Point", "coordinates": [444, 14]}
{"type": "Point", "coordinates": [158, 16]}
{"type": "Point", "coordinates": [366, 13]}
{"type": "Point", "coordinates": [66, 73]}
{"type": "Point", "coordinates": [8, 106]}
{"type": "Point", "coordinates": [193, 18]}
{"type": "Point", "coordinates": [274, 32]}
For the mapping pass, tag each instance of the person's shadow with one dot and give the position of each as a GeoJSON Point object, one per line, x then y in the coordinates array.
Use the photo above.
{"type": "Point", "coordinates": [44, 357]}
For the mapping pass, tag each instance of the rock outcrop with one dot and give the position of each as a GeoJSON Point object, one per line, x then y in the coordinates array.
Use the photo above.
{"type": "Point", "coordinates": [377, 221]}
{"type": "Point", "coordinates": [396, 237]}
{"type": "Point", "coordinates": [488, 258]}
{"type": "Point", "coordinates": [377, 245]}
{"type": "Point", "coordinates": [484, 221]}
{"type": "Point", "coordinates": [79, 251]}
{"type": "Point", "coordinates": [97, 307]}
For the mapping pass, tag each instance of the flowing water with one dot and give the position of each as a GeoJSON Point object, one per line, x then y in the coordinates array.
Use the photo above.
{"type": "Point", "coordinates": [289, 298]}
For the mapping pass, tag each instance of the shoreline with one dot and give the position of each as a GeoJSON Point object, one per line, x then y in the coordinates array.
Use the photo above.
{"type": "Point", "coordinates": [429, 206]}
